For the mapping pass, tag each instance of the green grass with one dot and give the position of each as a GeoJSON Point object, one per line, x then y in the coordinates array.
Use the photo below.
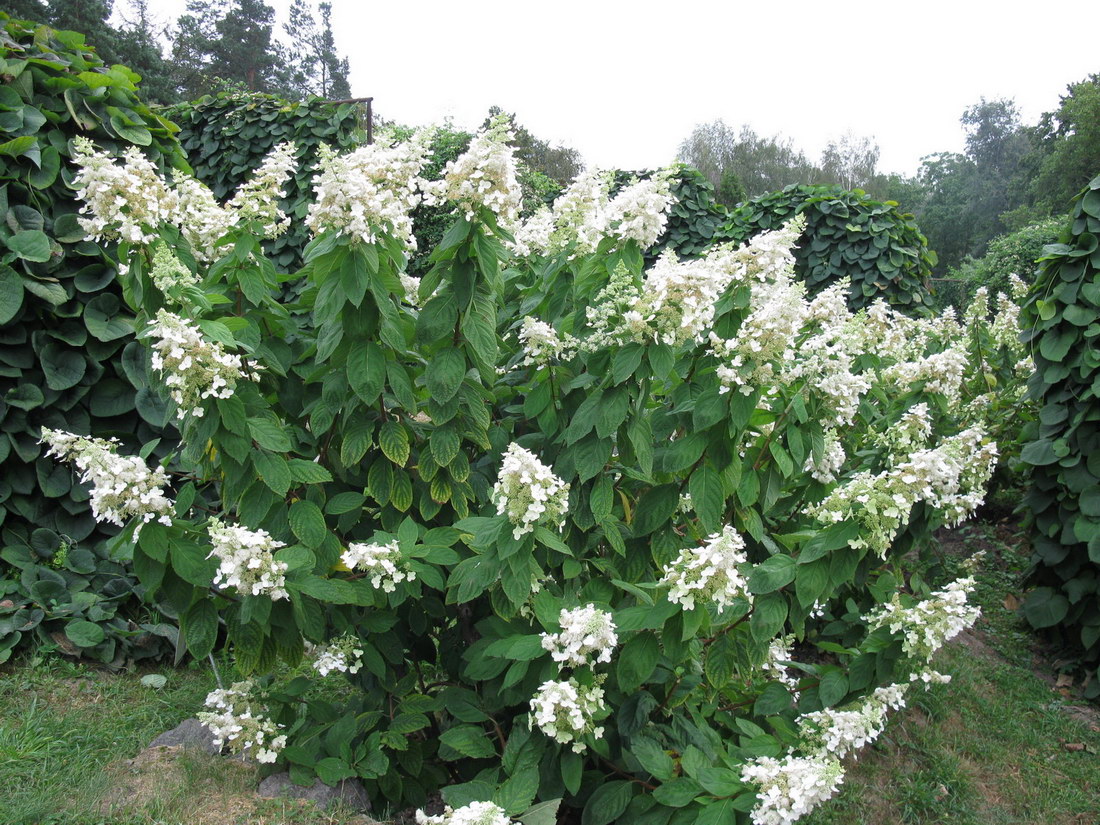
{"type": "Point", "coordinates": [988, 748]}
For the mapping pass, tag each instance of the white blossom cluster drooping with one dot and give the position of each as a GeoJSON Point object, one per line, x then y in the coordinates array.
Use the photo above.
{"type": "Point", "coordinates": [928, 624]}
{"type": "Point", "coordinates": [952, 477]}
{"type": "Point", "coordinates": [483, 176]}
{"type": "Point", "coordinates": [907, 435]}
{"type": "Point", "coordinates": [258, 197]}
{"type": "Point", "coordinates": [708, 572]}
{"type": "Point", "coordinates": [775, 664]}
{"type": "Point", "coordinates": [791, 787]}
{"type": "Point", "coordinates": [342, 655]}
{"type": "Point", "coordinates": [832, 460]}
{"type": "Point", "coordinates": [568, 711]}
{"type": "Point", "coordinates": [639, 212]}
{"type": "Point", "coordinates": [240, 723]}
{"type": "Point", "coordinates": [940, 372]}
{"type": "Point", "coordinates": [542, 344]}
{"type": "Point", "coordinates": [587, 636]}
{"type": "Point", "coordinates": [528, 492]}
{"type": "Point", "coordinates": [373, 188]}
{"type": "Point", "coordinates": [840, 732]}
{"type": "Point", "coordinates": [383, 564]}
{"type": "Point", "coordinates": [194, 368]}
{"type": "Point", "coordinates": [677, 298]}
{"type": "Point", "coordinates": [201, 219]}
{"type": "Point", "coordinates": [123, 487]}
{"type": "Point", "coordinates": [126, 201]}
{"type": "Point", "coordinates": [476, 813]}
{"type": "Point", "coordinates": [246, 560]}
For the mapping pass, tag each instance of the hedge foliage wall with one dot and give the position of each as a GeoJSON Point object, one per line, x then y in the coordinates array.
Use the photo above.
{"type": "Point", "coordinates": [1063, 317]}
{"type": "Point", "coordinates": [848, 234]}
{"type": "Point", "coordinates": [226, 136]}
{"type": "Point", "coordinates": [67, 354]}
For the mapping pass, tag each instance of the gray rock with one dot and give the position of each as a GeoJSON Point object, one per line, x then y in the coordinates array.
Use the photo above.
{"type": "Point", "coordinates": [190, 733]}
{"type": "Point", "coordinates": [349, 791]}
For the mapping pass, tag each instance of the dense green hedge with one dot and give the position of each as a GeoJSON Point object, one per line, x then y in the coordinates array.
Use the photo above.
{"type": "Point", "coordinates": [847, 234]}
{"type": "Point", "coordinates": [228, 135]}
{"type": "Point", "coordinates": [67, 354]}
{"type": "Point", "coordinates": [1063, 320]}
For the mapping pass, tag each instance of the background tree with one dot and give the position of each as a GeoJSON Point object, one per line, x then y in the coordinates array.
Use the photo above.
{"type": "Point", "coordinates": [89, 17]}
{"type": "Point", "coordinates": [138, 47]}
{"type": "Point", "coordinates": [1067, 146]}
{"type": "Point", "coordinates": [314, 66]}
{"type": "Point", "coordinates": [559, 163]}
{"type": "Point", "coordinates": [851, 161]}
{"type": "Point", "coordinates": [34, 10]}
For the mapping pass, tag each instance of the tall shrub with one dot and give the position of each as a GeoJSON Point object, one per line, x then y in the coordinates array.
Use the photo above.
{"type": "Point", "coordinates": [848, 235]}
{"type": "Point", "coordinates": [569, 531]}
{"type": "Point", "coordinates": [67, 354]}
{"type": "Point", "coordinates": [1063, 316]}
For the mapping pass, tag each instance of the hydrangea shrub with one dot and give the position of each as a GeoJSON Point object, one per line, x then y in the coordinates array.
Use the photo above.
{"type": "Point", "coordinates": [570, 533]}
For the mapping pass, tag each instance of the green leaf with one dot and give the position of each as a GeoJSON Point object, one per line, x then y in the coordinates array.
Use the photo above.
{"type": "Point", "coordinates": [653, 758]}
{"type": "Point", "coordinates": [771, 574]}
{"type": "Point", "coordinates": [273, 471]}
{"type": "Point", "coordinates": [101, 317]}
{"type": "Point", "coordinates": [773, 699]}
{"type": "Point", "coordinates": [655, 508]}
{"type": "Point", "coordinates": [63, 367]}
{"type": "Point", "coordinates": [544, 813]}
{"type": "Point", "coordinates": [719, 667]}
{"type": "Point", "coordinates": [269, 435]}
{"type": "Point", "coordinates": [469, 741]}
{"type": "Point", "coordinates": [367, 371]}
{"type": "Point", "coordinates": [678, 792]}
{"type": "Point", "coordinates": [833, 686]}
{"type": "Point", "coordinates": [444, 374]}
{"type": "Point", "coordinates": [308, 472]}
{"type": "Point", "coordinates": [83, 633]}
{"type": "Point", "coordinates": [30, 244]}
{"type": "Point", "coordinates": [445, 445]}
{"type": "Point", "coordinates": [393, 438]}
{"type": "Point", "coordinates": [308, 523]}
{"type": "Point", "coordinates": [200, 628]}
{"type": "Point", "coordinates": [707, 497]}
{"type": "Point", "coordinates": [607, 802]}
{"type": "Point", "coordinates": [11, 294]}
{"type": "Point", "coordinates": [768, 617]}
{"type": "Point", "coordinates": [637, 660]}
{"type": "Point", "coordinates": [1044, 607]}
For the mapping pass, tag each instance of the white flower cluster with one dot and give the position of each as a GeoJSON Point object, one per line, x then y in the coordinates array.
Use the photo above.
{"type": "Point", "coordinates": [194, 368]}
{"type": "Point", "coordinates": [639, 212]}
{"type": "Point", "coordinates": [169, 274]}
{"type": "Point", "coordinates": [953, 476]}
{"type": "Point", "coordinates": [708, 572]}
{"type": "Point", "coordinates": [129, 201]}
{"type": "Point", "coordinates": [907, 435]}
{"type": "Point", "coordinates": [383, 564]}
{"type": "Point", "coordinates": [928, 624]}
{"type": "Point", "coordinates": [246, 560]}
{"type": "Point", "coordinates": [940, 372]}
{"type": "Point", "coordinates": [542, 344]}
{"type": "Point", "coordinates": [587, 637]}
{"type": "Point", "coordinates": [373, 188]}
{"type": "Point", "coordinates": [126, 201]}
{"type": "Point", "coordinates": [342, 655]}
{"type": "Point", "coordinates": [123, 487]}
{"type": "Point", "coordinates": [239, 722]}
{"type": "Point", "coordinates": [840, 732]}
{"type": "Point", "coordinates": [483, 176]}
{"type": "Point", "coordinates": [791, 787]}
{"type": "Point", "coordinates": [779, 656]}
{"type": "Point", "coordinates": [258, 198]}
{"type": "Point", "coordinates": [568, 711]}
{"type": "Point", "coordinates": [476, 813]}
{"type": "Point", "coordinates": [528, 492]}
{"type": "Point", "coordinates": [832, 460]}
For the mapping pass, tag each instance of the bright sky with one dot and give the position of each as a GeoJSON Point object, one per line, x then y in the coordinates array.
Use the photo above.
{"type": "Point", "coordinates": [625, 82]}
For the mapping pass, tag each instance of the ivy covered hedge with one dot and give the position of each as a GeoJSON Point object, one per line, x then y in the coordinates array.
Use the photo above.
{"type": "Point", "coordinates": [1063, 320]}
{"type": "Point", "coordinates": [848, 234]}
{"type": "Point", "coordinates": [227, 136]}
{"type": "Point", "coordinates": [67, 354]}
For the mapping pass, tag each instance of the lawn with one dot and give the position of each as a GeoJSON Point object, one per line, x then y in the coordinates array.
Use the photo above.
{"type": "Point", "coordinates": [1002, 743]}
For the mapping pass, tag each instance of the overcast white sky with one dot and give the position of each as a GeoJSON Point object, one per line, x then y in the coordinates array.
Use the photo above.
{"type": "Point", "coordinates": [625, 82]}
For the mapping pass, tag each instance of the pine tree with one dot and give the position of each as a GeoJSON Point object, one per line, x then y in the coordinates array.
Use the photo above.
{"type": "Point", "coordinates": [138, 47]}
{"type": "Point", "coordinates": [89, 17]}
{"type": "Point", "coordinates": [315, 67]}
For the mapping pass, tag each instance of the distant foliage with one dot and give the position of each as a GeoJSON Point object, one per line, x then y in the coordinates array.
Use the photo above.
{"type": "Point", "coordinates": [227, 136]}
{"type": "Point", "coordinates": [848, 234]}
{"type": "Point", "coordinates": [1064, 501]}
{"type": "Point", "coordinates": [67, 354]}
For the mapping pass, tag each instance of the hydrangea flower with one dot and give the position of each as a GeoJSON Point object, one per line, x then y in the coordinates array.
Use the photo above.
{"type": "Point", "coordinates": [840, 732]}
{"type": "Point", "coordinates": [708, 572]}
{"type": "Point", "coordinates": [791, 787]}
{"type": "Point", "coordinates": [568, 711]}
{"type": "Point", "coordinates": [542, 344]}
{"type": "Point", "coordinates": [587, 637]}
{"type": "Point", "coordinates": [528, 492]}
{"type": "Point", "coordinates": [239, 722]}
{"type": "Point", "coordinates": [194, 368]}
{"type": "Point", "coordinates": [123, 487]}
{"type": "Point", "coordinates": [929, 624]}
{"type": "Point", "coordinates": [483, 176]}
{"type": "Point", "coordinates": [258, 198]}
{"type": "Point", "coordinates": [475, 813]}
{"type": "Point", "coordinates": [342, 655]}
{"type": "Point", "coordinates": [383, 563]}
{"type": "Point", "coordinates": [246, 560]}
